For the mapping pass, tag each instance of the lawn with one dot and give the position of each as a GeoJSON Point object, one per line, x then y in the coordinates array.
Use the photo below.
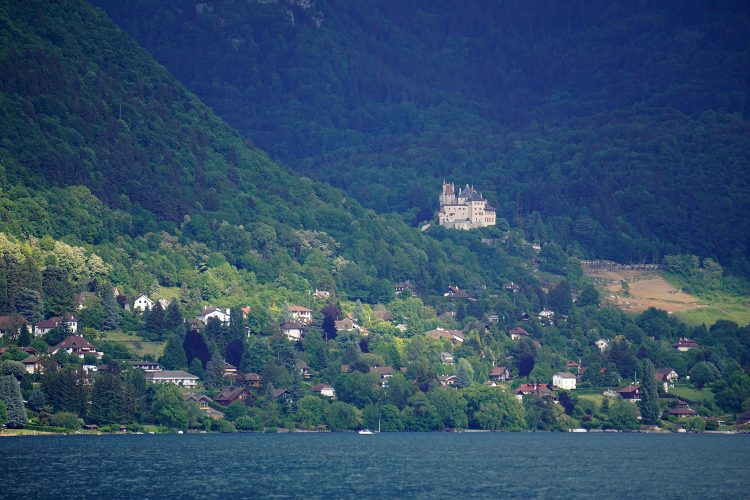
{"type": "Point", "coordinates": [731, 309]}
{"type": "Point", "coordinates": [135, 344]}
{"type": "Point", "coordinates": [691, 393]}
{"type": "Point", "coordinates": [169, 292]}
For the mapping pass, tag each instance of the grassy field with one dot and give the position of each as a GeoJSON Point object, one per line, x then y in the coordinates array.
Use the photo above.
{"type": "Point", "coordinates": [136, 344]}
{"type": "Point", "coordinates": [593, 395]}
{"type": "Point", "coordinates": [691, 393]}
{"type": "Point", "coordinates": [169, 292]}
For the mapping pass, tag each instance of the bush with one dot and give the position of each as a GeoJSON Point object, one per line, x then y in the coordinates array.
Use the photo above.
{"type": "Point", "coordinates": [66, 420]}
{"type": "Point", "coordinates": [224, 426]}
{"type": "Point", "coordinates": [247, 423]}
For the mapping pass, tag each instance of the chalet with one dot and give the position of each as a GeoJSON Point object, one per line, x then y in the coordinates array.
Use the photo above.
{"type": "Point", "coordinates": [322, 294]}
{"type": "Point", "coordinates": [456, 293]}
{"type": "Point", "coordinates": [518, 333]}
{"type": "Point", "coordinates": [385, 373]}
{"type": "Point", "coordinates": [682, 412]}
{"type": "Point", "coordinates": [214, 312]}
{"type": "Point", "coordinates": [304, 370]}
{"type": "Point", "coordinates": [11, 325]}
{"type": "Point", "coordinates": [448, 380]}
{"type": "Point", "coordinates": [28, 350]}
{"type": "Point", "coordinates": [446, 358]}
{"type": "Point", "coordinates": [684, 345]}
{"type": "Point", "coordinates": [453, 336]}
{"type": "Point", "coordinates": [283, 394]}
{"type": "Point", "coordinates": [33, 364]}
{"type": "Point", "coordinates": [300, 313]}
{"type": "Point", "coordinates": [546, 316]}
{"type": "Point", "coordinates": [84, 298]}
{"type": "Point", "coordinates": [230, 395]}
{"type": "Point", "coordinates": [76, 345]}
{"type": "Point", "coordinates": [404, 286]}
{"type": "Point", "coordinates": [42, 327]}
{"type": "Point", "coordinates": [143, 303]}
{"type": "Point", "coordinates": [572, 365]}
{"type": "Point", "coordinates": [667, 377]}
{"type": "Point", "coordinates": [203, 404]}
{"type": "Point", "coordinates": [252, 380]}
{"type": "Point", "coordinates": [230, 370]}
{"type": "Point", "coordinates": [630, 393]}
{"type": "Point", "coordinates": [564, 380]}
{"type": "Point", "coordinates": [293, 330]}
{"type": "Point", "coordinates": [533, 389]}
{"type": "Point", "coordinates": [500, 373]}
{"type": "Point", "coordinates": [324, 390]}
{"type": "Point", "coordinates": [348, 325]}
{"type": "Point", "coordinates": [524, 317]}
{"type": "Point", "coordinates": [146, 366]}
{"type": "Point", "coordinates": [176, 377]}
{"type": "Point", "coordinates": [601, 344]}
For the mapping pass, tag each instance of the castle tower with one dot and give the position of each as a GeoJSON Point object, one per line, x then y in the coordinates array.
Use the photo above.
{"type": "Point", "coordinates": [448, 196]}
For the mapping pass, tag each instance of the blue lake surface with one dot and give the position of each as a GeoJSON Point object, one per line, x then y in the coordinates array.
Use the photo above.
{"type": "Point", "coordinates": [430, 465]}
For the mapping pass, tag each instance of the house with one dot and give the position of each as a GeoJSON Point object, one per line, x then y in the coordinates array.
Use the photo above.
{"type": "Point", "coordinates": [42, 327]}
{"type": "Point", "coordinates": [564, 380]}
{"type": "Point", "coordinates": [682, 412]}
{"type": "Point", "coordinates": [401, 327]}
{"type": "Point", "coordinates": [532, 389]}
{"type": "Point", "coordinates": [466, 209]}
{"type": "Point", "coordinates": [33, 364]}
{"type": "Point", "coordinates": [164, 303]}
{"type": "Point", "coordinates": [303, 368]}
{"type": "Point", "coordinates": [490, 383]}
{"type": "Point", "coordinates": [246, 310]}
{"type": "Point", "coordinates": [572, 365]}
{"type": "Point", "coordinates": [203, 404]}
{"type": "Point", "coordinates": [146, 366]}
{"type": "Point", "coordinates": [630, 393]}
{"type": "Point", "coordinates": [300, 313]}
{"type": "Point", "coordinates": [229, 370]}
{"type": "Point", "coordinates": [283, 394]}
{"type": "Point", "coordinates": [456, 293]}
{"type": "Point", "coordinates": [518, 333]}
{"type": "Point", "coordinates": [252, 380]}
{"type": "Point", "coordinates": [404, 286]}
{"type": "Point", "coordinates": [546, 316]}
{"type": "Point", "coordinates": [684, 345]}
{"type": "Point", "coordinates": [500, 373]}
{"type": "Point", "coordinates": [76, 345]}
{"type": "Point", "coordinates": [11, 325]}
{"type": "Point", "coordinates": [453, 336]}
{"type": "Point", "coordinates": [293, 330]}
{"type": "Point", "coordinates": [322, 294]}
{"type": "Point", "coordinates": [176, 377]}
{"type": "Point", "coordinates": [512, 287]}
{"type": "Point", "coordinates": [667, 377]}
{"type": "Point", "coordinates": [601, 344]}
{"type": "Point", "coordinates": [214, 312]}
{"type": "Point", "coordinates": [82, 298]}
{"type": "Point", "coordinates": [143, 303]}
{"type": "Point", "coordinates": [385, 373]}
{"type": "Point", "coordinates": [324, 390]}
{"type": "Point", "coordinates": [230, 395]}
{"type": "Point", "coordinates": [446, 358]}
{"type": "Point", "coordinates": [448, 380]}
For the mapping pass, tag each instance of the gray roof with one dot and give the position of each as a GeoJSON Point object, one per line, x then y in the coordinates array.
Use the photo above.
{"type": "Point", "coordinates": [170, 374]}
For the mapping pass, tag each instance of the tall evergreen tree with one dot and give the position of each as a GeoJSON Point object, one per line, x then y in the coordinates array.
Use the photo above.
{"type": "Point", "coordinates": [195, 346]}
{"type": "Point", "coordinates": [463, 377]}
{"type": "Point", "coordinates": [29, 304]}
{"type": "Point", "coordinates": [214, 374]}
{"type": "Point", "coordinates": [24, 338]}
{"type": "Point", "coordinates": [112, 310]}
{"type": "Point", "coordinates": [66, 390]}
{"type": "Point", "coordinates": [173, 317]}
{"type": "Point", "coordinates": [154, 322]}
{"type": "Point", "coordinates": [174, 357]}
{"type": "Point", "coordinates": [112, 401]}
{"type": "Point", "coordinates": [649, 403]}
{"type": "Point", "coordinates": [10, 395]}
{"type": "Point", "coordinates": [560, 298]}
{"type": "Point", "coordinates": [10, 283]}
{"type": "Point", "coordinates": [58, 291]}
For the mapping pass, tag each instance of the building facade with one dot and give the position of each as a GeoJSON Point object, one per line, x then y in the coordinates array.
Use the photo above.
{"type": "Point", "coordinates": [466, 209]}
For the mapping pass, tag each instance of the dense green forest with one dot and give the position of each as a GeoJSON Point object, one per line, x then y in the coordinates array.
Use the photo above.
{"type": "Point", "coordinates": [617, 129]}
{"type": "Point", "coordinates": [101, 147]}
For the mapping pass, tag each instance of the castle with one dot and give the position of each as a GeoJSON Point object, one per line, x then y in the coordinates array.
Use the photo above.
{"type": "Point", "coordinates": [467, 210]}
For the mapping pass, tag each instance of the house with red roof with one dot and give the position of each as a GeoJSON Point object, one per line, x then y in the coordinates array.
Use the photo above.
{"type": "Point", "coordinates": [76, 345]}
{"type": "Point", "coordinates": [630, 393]}
{"type": "Point", "coordinates": [42, 327]}
{"type": "Point", "coordinates": [500, 373]}
{"type": "Point", "coordinates": [300, 313]}
{"type": "Point", "coordinates": [684, 345]}
{"type": "Point", "coordinates": [11, 325]}
{"type": "Point", "coordinates": [518, 333]}
{"type": "Point", "coordinates": [324, 390]}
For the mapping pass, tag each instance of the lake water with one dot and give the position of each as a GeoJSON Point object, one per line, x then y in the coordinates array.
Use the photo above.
{"type": "Point", "coordinates": [430, 465]}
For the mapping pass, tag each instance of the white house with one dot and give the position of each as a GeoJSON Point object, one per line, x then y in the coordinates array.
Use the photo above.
{"type": "Point", "coordinates": [293, 330]}
{"type": "Point", "coordinates": [546, 316]}
{"type": "Point", "coordinates": [564, 380]}
{"type": "Point", "coordinates": [42, 327]}
{"type": "Point", "coordinates": [518, 333]}
{"type": "Point", "coordinates": [176, 377]}
{"type": "Point", "coordinates": [300, 313]}
{"type": "Point", "coordinates": [324, 390]}
{"type": "Point", "coordinates": [214, 312]}
{"type": "Point", "coordinates": [601, 344]}
{"type": "Point", "coordinates": [143, 303]}
{"type": "Point", "coordinates": [76, 345]}
{"type": "Point", "coordinates": [164, 303]}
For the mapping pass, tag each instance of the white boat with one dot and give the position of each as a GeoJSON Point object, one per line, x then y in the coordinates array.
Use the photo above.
{"type": "Point", "coordinates": [365, 431]}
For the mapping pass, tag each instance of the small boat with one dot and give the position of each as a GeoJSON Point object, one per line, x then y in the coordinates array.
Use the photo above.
{"type": "Point", "coordinates": [365, 431]}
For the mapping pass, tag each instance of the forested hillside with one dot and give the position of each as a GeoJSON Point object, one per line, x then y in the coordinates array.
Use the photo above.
{"type": "Point", "coordinates": [101, 146]}
{"type": "Point", "coordinates": [616, 129]}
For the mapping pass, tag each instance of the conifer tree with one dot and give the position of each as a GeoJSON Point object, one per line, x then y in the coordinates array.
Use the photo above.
{"type": "Point", "coordinates": [155, 322]}
{"type": "Point", "coordinates": [649, 403]}
{"type": "Point", "coordinates": [112, 310]}
{"type": "Point", "coordinates": [29, 304]}
{"type": "Point", "coordinates": [174, 357]}
{"type": "Point", "coordinates": [111, 400]}
{"type": "Point", "coordinates": [214, 374]}
{"type": "Point", "coordinates": [24, 338]}
{"type": "Point", "coordinates": [58, 291]}
{"type": "Point", "coordinates": [10, 395]}
{"type": "Point", "coordinates": [462, 376]}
